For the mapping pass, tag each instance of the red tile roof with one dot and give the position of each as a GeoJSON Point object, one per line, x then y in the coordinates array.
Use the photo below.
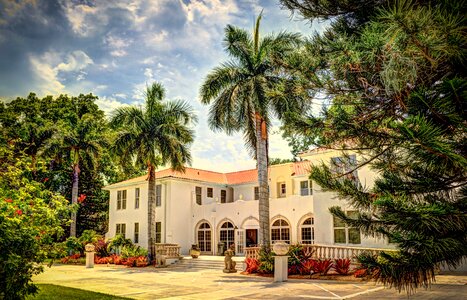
{"type": "Point", "coordinates": [239, 177]}
{"type": "Point", "coordinates": [301, 168]}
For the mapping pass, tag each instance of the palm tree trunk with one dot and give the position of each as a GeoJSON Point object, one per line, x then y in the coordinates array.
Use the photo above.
{"type": "Point", "coordinates": [151, 209]}
{"type": "Point", "coordinates": [74, 198]}
{"type": "Point", "coordinates": [262, 165]}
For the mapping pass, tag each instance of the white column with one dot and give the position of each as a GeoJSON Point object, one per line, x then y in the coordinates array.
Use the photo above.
{"type": "Point", "coordinates": [90, 259]}
{"type": "Point", "coordinates": [280, 268]}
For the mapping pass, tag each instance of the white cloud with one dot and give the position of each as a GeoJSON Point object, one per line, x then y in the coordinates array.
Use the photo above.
{"type": "Point", "coordinates": [77, 60]}
{"type": "Point", "coordinates": [48, 66]}
{"type": "Point", "coordinates": [46, 75]}
{"type": "Point", "coordinates": [117, 44]}
{"type": "Point", "coordinates": [148, 74]}
{"type": "Point", "coordinates": [109, 104]}
{"type": "Point", "coordinates": [118, 53]}
{"type": "Point", "coordinates": [210, 11]}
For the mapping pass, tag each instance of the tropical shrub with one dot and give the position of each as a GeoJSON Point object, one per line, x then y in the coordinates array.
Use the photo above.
{"type": "Point", "coordinates": [133, 251]}
{"type": "Point", "coordinates": [136, 261]}
{"type": "Point", "coordinates": [342, 266]}
{"type": "Point", "coordinates": [266, 261]}
{"type": "Point", "coordinates": [361, 273]}
{"type": "Point", "coordinates": [252, 265]}
{"type": "Point", "coordinates": [89, 236]}
{"type": "Point", "coordinates": [31, 217]}
{"type": "Point", "coordinates": [118, 242]}
{"type": "Point", "coordinates": [102, 248]}
{"type": "Point", "coordinates": [322, 267]}
{"type": "Point", "coordinates": [307, 267]}
{"type": "Point", "coordinates": [73, 245]}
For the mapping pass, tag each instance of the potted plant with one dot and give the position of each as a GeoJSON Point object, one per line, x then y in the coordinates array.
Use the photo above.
{"type": "Point", "coordinates": [195, 251]}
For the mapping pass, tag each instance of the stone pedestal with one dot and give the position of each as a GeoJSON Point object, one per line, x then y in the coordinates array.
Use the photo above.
{"type": "Point", "coordinates": [90, 259]}
{"type": "Point", "coordinates": [89, 249]}
{"type": "Point", "coordinates": [280, 268]}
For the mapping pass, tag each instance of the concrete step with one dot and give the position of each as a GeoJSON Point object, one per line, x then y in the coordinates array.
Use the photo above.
{"type": "Point", "coordinates": [204, 264]}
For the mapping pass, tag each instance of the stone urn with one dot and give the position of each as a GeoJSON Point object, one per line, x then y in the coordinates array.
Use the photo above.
{"type": "Point", "coordinates": [89, 248]}
{"type": "Point", "coordinates": [195, 251]}
{"type": "Point", "coordinates": [280, 248]}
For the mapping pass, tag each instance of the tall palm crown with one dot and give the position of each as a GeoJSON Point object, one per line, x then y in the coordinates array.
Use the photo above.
{"type": "Point", "coordinates": [155, 135]}
{"type": "Point", "coordinates": [241, 94]}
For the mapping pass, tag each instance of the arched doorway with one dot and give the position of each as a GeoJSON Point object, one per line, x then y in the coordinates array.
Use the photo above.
{"type": "Point", "coordinates": [204, 234]}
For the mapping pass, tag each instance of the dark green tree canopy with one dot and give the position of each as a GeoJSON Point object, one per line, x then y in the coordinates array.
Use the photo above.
{"type": "Point", "coordinates": [395, 80]}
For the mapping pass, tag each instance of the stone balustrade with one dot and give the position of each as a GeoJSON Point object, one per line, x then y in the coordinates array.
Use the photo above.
{"type": "Point", "coordinates": [168, 250]}
{"type": "Point", "coordinates": [325, 251]}
{"type": "Point", "coordinates": [252, 252]}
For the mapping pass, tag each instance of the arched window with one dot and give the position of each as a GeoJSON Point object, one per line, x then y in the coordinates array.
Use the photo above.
{"type": "Point", "coordinates": [280, 231]}
{"type": "Point", "coordinates": [204, 237]}
{"type": "Point", "coordinates": [307, 231]}
{"type": "Point", "coordinates": [227, 234]}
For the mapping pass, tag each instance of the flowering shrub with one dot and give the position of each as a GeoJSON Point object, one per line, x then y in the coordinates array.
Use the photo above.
{"type": "Point", "coordinates": [361, 273]}
{"type": "Point", "coordinates": [342, 266]}
{"type": "Point", "coordinates": [31, 217]}
{"type": "Point", "coordinates": [307, 267]}
{"type": "Point", "coordinates": [322, 266]}
{"type": "Point", "coordinates": [252, 265]}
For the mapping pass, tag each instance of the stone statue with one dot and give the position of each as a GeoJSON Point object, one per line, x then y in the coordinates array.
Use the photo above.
{"type": "Point", "coordinates": [229, 263]}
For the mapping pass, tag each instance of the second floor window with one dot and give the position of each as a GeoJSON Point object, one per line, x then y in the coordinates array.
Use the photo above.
{"type": "Point", "coordinates": [223, 196]}
{"type": "Point", "coordinates": [256, 191]}
{"type": "Point", "coordinates": [137, 191]}
{"type": "Point", "coordinates": [121, 199]}
{"type": "Point", "coordinates": [210, 193]}
{"type": "Point", "coordinates": [158, 195]}
{"type": "Point", "coordinates": [306, 188]}
{"type": "Point", "coordinates": [198, 192]}
{"type": "Point", "coordinates": [345, 165]}
{"type": "Point", "coordinates": [281, 190]}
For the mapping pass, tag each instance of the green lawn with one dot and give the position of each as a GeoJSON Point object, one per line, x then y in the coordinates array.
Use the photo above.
{"type": "Point", "coordinates": [52, 292]}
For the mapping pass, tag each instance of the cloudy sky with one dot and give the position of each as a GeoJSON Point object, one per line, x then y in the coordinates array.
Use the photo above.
{"type": "Point", "coordinates": [113, 49]}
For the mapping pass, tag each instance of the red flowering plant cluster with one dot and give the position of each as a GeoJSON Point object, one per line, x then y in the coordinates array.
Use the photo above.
{"type": "Point", "coordinates": [252, 265]}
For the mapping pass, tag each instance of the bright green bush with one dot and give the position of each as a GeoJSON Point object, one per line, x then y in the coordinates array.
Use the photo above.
{"type": "Point", "coordinates": [31, 218]}
{"type": "Point", "coordinates": [133, 251]}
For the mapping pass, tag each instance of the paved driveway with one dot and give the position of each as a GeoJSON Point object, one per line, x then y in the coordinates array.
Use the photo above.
{"type": "Point", "coordinates": [150, 283]}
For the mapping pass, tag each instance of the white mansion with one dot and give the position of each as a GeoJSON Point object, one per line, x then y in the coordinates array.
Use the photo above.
{"type": "Point", "coordinates": [206, 207]}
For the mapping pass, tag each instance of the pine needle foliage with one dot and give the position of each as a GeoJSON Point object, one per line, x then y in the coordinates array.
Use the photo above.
{"type": "Point", "coordinates": [394, 72]}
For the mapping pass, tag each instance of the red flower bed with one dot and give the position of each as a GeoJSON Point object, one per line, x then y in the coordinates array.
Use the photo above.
{"type": "Point", "coordinates": [252, 265]}
{"type": "Point", "coordinates": [342, 266]}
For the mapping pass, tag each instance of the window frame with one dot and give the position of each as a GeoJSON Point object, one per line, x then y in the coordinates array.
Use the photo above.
{"type": "Point", "coordinates": [158, 237]}
{"type": "Point", "coordinates": [158, 195]}
{"type": "Point", "coordinates": [346, 229]}
{"type": "Point", "coordinates": [209, 192]}
{"type": "Point", "coordinates": [136, 233]}
{"type": "Point", "coordinates": [223, 196]}
{"type": "Point", "coordinates": [198, 196]}
{"type": "Point", "coordinates": [310, 226]}
{"type": "Point", "coordinates": [121, 201]}
{"type": "Point", "coordinates": [120, 229]}
{"type": "Point", "coordinates": [137, 197]}
{"type": "Point", "coordinates": [282, 230]}
{"type": "Point", "coordinates": [308, 189]}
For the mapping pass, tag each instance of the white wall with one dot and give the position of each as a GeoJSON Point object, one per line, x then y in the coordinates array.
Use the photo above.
{"type": "Point", "coordinates": [180, 214]}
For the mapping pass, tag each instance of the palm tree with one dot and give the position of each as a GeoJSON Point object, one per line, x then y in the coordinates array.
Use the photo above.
{"type": "Point", "coordinates": [81, 144]}
{"type": "Point", "coordinates": [241, 94]}
{"type": "Point", "coordinates": [154, 136]}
